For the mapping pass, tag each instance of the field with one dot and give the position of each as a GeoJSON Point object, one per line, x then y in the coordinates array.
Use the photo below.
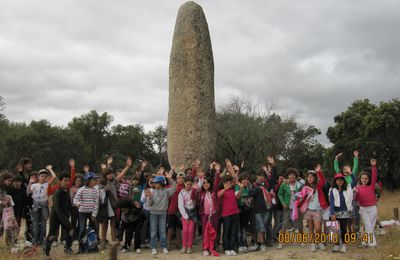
{"type": "Point", "coordinates": [388, 246]}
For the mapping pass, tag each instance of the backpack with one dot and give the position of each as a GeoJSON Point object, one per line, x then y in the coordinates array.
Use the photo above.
{"type": "Point", "coordinates": [90, 241]}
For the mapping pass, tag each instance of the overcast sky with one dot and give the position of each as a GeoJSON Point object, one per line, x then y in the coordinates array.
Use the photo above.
{"type": "Point", "coordinates": [60, 59]}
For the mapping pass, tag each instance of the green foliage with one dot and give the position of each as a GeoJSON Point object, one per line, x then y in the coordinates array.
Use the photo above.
{"type": "Point", "coordinates": [247, 131]}
{"type": "Point", "coordinates": [374, 131]}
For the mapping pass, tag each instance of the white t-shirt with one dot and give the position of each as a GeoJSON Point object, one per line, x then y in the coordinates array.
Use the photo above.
{"type": "Point", "coordinates": [39, 192]}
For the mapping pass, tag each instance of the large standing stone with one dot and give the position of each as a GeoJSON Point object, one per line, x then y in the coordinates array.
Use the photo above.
{"type": "Point", "coordinates": [191, 116]}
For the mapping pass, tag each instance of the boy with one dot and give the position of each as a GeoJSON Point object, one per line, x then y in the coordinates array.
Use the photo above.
{"type": "Point", "coordinates": [262, 208]}
{"type": "Point", "coordinates": [286, 197]}
{"type": "Point", "coordinates": [59, 216]}
{"type": "Point", "coordinates": [87, 201]}
{"type": "Point", "coordinates": [40, 206]}
{"type": "Point", "coordinates": [244, 203]}
{"type": "Point", "coordinates": [158, 199]}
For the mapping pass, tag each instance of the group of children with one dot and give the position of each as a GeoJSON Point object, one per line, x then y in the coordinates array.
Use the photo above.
{"type": "Point", "coordinates": [248, 212]}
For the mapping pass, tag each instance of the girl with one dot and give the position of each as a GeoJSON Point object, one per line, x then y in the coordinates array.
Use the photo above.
{"type": "Point", "coordinates": [186, 205]}
{"type": "Point", "coordinates": [145, 232]}
{"type": "Point", "coordinates": [341, 197]}
{"type": "Point", "coordinates": [244, 203]}
{"type": "Point", "coordinates": [230, 215]}
{"type": "Point", "coordinates": [313, 204]}
{"type": "Point", "coordinates": [74, 212]}
{"type": "Point", "coordinates": [5, 201]}
{"type": "Point", "coordinates": [365, 196]}
{"type": "Point", "coordinates": [209, 206]}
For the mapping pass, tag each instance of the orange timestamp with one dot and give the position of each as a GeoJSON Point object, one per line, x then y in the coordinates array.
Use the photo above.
{"type": "Point", "coordinates": [308, 238]}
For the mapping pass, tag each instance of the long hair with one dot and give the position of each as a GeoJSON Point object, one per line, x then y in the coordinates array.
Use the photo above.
{"type": "Point", "coordinates": [364, 173]}
{"type": "Point", "coordinates": [335, 186]}
{"type": "Point", "coordinates": [313, 173]}
{"type": "Point", "coordinates": [5, 176]}
{"type": "Point", "coordinates": [208, 179]}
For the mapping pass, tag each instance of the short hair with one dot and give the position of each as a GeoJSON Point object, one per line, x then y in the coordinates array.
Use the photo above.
{"type": "Point", "coordinates": [244, 176]}
{"type": "Point", "coordinates": [188, 178]}
{"type": "Point", "coordinates": [25, 160]}
{"type": "Point", "coordinates": [260, 172]}
{"type": "Point", "coordinates": [63, 175]}
{"type": "Point", "coordinates": [228, 178]}
{"type": "Point", "coordinates": [291, 171]}
{"type": "Point", "coordinates": [18, 178]}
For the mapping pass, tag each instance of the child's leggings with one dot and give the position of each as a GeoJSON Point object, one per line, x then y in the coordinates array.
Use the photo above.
{"type": "Point", "coordinates": [187, 232]}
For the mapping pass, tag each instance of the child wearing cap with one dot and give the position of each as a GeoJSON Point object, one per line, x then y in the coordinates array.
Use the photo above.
{"type": "Point", "coordinates": [341, 197]}
{"type": "Point", "coordinates": [87, 201]}
{"type": "Point", "coordinates": [158, 199]}
{"type": "Point", "coordinates": [40, 206]}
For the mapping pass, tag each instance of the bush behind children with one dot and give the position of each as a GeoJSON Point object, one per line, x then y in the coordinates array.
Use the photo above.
{"type": "Point", "coordinates": [173, 208]}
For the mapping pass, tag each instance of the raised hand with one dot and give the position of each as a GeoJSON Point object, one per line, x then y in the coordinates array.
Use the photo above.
{"type": "Point", "coordinates": [373, 162]}
{"type": "Point", "coordinates": [338, 156]}
{"type": "Point", "coordinates": [168, 175]}
{"type": "Point", "coordinates": [318, 168]}
{"type": "Point", "coordinates": [242, 164]}
{"type": "Point", "coordinates": [182, 168]}
{"type": "Point", "coordinates": [86, 168]}
{"type": "Point", "coordinates": [270, 160]}
{"type": "Point", "coordinates": [71, 163]}
{"type": "Point", "coordinates": [236, 168]}
{"type": "Point", "coordinates": [264, 168]}
{"type": "Point", "coordinates": [197, 163]}
{"type": "Point", "coordinates": [102, 166]}
{"type": "Point", "coordinates": [109, 160]}
{"type": "Point", "coordinates": [128, 161]}
{"type": "Point", "coordinates": [356, 153]}
{"type": "Point", "coordinates": [217, 167]}
{"type": "Point", "coordinates": [49, 167]}
{"type": "Point", "coordinates": [147, 193]}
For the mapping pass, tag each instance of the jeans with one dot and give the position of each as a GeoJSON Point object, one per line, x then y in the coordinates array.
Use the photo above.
{"type": "Point", "coordinates": [231, 227]}
{"type": "Point", "coordinates": [158, 224]}
{"type": "Point", "coordinates": [40, 214]}
{"type": "Point", "coordinates": [278, 222]}
{"type": "Point", "coordinates": [83, 217]}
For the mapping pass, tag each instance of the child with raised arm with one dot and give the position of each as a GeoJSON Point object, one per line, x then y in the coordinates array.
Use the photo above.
{"type": "Point", "coordinates": [365, 196]}
{"type": "Point", "coordinates": [158, 199]}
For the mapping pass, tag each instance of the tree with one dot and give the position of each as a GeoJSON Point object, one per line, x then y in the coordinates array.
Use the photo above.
{"type": "Point", "coordinates": [248, 131]}
{"type": "Point", "coordinates": [373, 130]}
{"type": "Point", "coordinates": [94, 129]}
{"type": "Point", "coordinates": [158, 138]}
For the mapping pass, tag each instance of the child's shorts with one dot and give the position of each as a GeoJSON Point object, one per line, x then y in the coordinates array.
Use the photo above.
{"type": "Point", "coordinates": [313, 215]}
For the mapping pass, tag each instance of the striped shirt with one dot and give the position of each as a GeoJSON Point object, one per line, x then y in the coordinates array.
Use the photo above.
{"type": "Point", "coordinates": [88, 200]}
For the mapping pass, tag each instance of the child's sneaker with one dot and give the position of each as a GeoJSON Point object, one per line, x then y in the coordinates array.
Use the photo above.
{"type": "Point", "coordinates": [183, 250]}
{"type": "Point", "coordinates": [313, 248]}
{"type": "Point", "coordinates": [189, 251]}
{"type": "Point", "coordinates": [76, 242]}
{"type": "Point", "coordinates": [138, 251]}
{"type": "Point", "coordinates": [206, 253]}
{"type": "Point", "coordinates": [233, 252]}
{"type": "Point", "coordinates": [280, 246]}
{"type": "Point", "coordinates": [245, 249]}
{"type": "Point", "coordinates": [125, 249]}
{"type": "Point", "coordinates": [321, 246]}
{"type": "Point", "coordinates": [153, 251]}
{"type": "Point", "coordinates": [240, 250]}
{"type": "Point", "coordinates": [165, 250]}
{"type": "Point", "coordinates": [263, 248]}
{"type": "Point", "coordinates": [343, 249]}
{"type": "Point", "coordinates": [68, 251]}
{"type": "Point", "coordinates": [228, 252]}
{"type": "Point", "coordinates": [54, 244]}
{"type": "Point", "coordinates": [336, 248]}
